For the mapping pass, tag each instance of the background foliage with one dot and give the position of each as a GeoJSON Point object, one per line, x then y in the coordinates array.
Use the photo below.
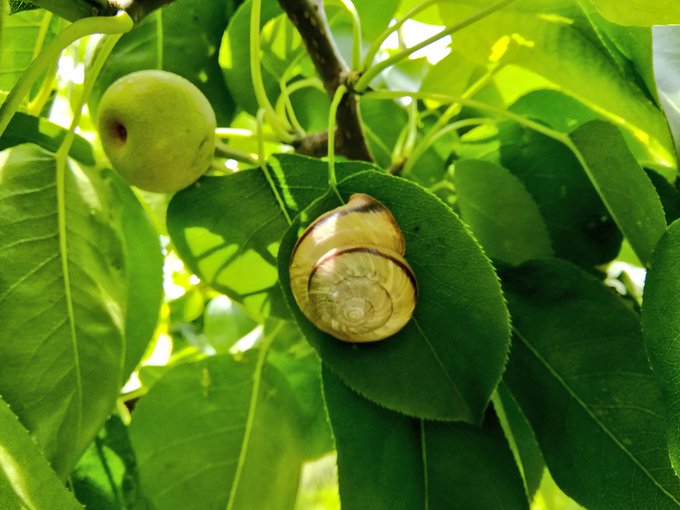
{"type": "Point", "coordinates": [152, 353]}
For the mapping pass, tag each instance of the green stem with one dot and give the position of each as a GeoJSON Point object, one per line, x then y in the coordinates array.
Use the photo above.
{"type": "Point", "coordinates": [540, 128]}
{"type": "Point", "coordinates": [222, 149]}
{"type": "Point", "coordinates": [332, 177]}
{"type": "Point", "coordinates": [453, 110]}
{"type": "Point", "coordinates": [284, 107]}
{"type": "Point", "coordinates": [377, 43]}
{"type": "Point", "coordinates": [363, 82]}
{"type": "Point", "coordinates": [117, 24]}
{"type": "Point", "coordinates": [252, 408]}
{"type": "Point", "coordinates": [265, 170]}
{"type": "Point", "coordinates": [356, 32]}
{"type": "Point", "coordinates": [277, 124]}
{"type": "Point", "coordinates": [243, 134]}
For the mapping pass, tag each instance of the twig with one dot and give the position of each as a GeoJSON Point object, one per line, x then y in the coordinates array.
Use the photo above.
{"type": "Point", "coordinates": [309, 18]}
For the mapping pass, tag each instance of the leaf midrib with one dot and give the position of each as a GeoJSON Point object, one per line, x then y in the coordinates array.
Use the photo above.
{"type": "Point", "coordinates": [597, 421]}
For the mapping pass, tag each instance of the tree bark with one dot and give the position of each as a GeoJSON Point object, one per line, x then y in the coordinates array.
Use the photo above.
{"type": "Point", "coordinates": [309, 18]}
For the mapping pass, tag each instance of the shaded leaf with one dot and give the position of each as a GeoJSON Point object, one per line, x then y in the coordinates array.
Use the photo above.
{"type": "Point", "coordinates": [40, 131]}
{"type": "Point", "coordinates": [219, 448]}
{"type": "Point", "coordinates": [580, 373]}
{"type": "Point", "coordinates": [390, 461]}
{"type": "Point", "coordinates": [25, 472]}
{"type": "Point", "coordinates": [580, 228]}
{"type": "Point", "coordinates": [501, 213]}
{"type": "Point", "coordinates": [446, 362]}
{"type": "Point", "coordinates": [62, 301]}
{"type": "Point", "coordinates": [625, 189]}
{"type": "Point", "coordinates": [660, 320]}
{"type": "Point", "coordinates": [225, 323]}
{"type": "Point", "coordinates": [521, 438]}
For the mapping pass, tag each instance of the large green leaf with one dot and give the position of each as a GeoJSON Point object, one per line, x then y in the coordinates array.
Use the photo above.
{"type": "Point", "coordinates": [390, 461]}
{"type": "Point", "coordinates": [447, 361]}
{"type": "Point", "coordinates": [625, 189]}
{"type": "Point", "coordinates": [580, 228]}
{"type": "Point", "coordinates": [660, 320]}
{"type": "Point", "coordinates": [554, 47]}
{"type": "Point", "coordinates": [106, 477]}
{"type": "Point", "coordinates": [521, 438]}
{"type": "Point", "coordinates": [62, 303]}
{"type": "Point", "coordinates": [23, 35]}
{"type": "Point", "coordinates": [227, 229]}
{"type": "Point", "coordinates": [40, 131]}
{"type": "Point", "coordinates": [234, 56]}
{"type": "Point", "coordinates": [144, 275]}
{"type": "Point", "coordinates": [182, 38]}
{"type": "Point", "coordinates": [26, 479]}
{"type": "Point", "coordinates": [640, 12]}
{"type": "Point", "coordinates": [501, 212]}
{"type": "Point", "coordinates": [580, 373]}
{"type": "Point", "coordinates": [217, 433]}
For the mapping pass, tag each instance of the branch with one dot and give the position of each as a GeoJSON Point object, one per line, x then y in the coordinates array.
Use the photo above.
{"type": "Point", "coordinates": [74, 10]}
{"type": "Point", "coordinates": [309, 18]}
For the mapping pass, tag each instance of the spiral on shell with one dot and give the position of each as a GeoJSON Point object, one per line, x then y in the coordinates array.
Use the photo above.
{"type": "Point", "coordinates": [348, 273]}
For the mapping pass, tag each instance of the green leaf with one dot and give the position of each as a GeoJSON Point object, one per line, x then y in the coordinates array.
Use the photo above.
{"type": "Point", "coordinates": [640, 12]}
{"type": "Point", "coordinates": [583, 70]}
{"type": "Point", "coordinates": [40, 131]}
{"type": "Point", "coordinates": [234, 56]}
{"type": "Point", "coordinates": [501, 212]}
{"type": "Point", "coordinates": [581, 375]}
{"type": "Point", "coordinates": [25, 471]}
{"type": "Point", "coordinates": [106, 476]}
{"type": "Point", "coordinates": [580, 228]}
{"type": "Point", "coordinates": [225, 323]}
{"type": "Point", "coordinates": [447, 361]}
{"type": "Point", "coordinates": [21, 40]}
{"type": "Point", "coordinates": [668, 194]}
{"type": "Point", "coordinates": [375, 15]}
{"type": "Point", "coordinates": [182, 38]}
{"type": "Point", "coordinates": [228, 229]}
{"type": "Point", "coordinates": [660, 316]}
{"type": "Point", "coordinates": [390, 461]}
{"type": "Point", "coordinates": [521, 438]}
{"type": "Point", "coordinates": [62, 300]}
{"type": "Point", "coordinates": [301, 367]}
{"type": "Point", "coordinates": [666, 63]}
{"type": "Point", "coordinates": [625, 189]}
{"type": "Point", "coordinates": [217, 433]}
{"type": "Point", "coordinates": [144, 274]}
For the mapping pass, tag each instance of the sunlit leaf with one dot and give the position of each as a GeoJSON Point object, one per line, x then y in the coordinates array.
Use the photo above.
{"type": "Point", "coordinates": [26, 479]}
{"type": "Point", "coordinates": [63, 298]}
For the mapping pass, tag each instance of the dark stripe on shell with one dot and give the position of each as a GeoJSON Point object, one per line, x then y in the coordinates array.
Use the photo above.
{"type": "Point", "coordinates": [358, 249]}
{"type": "Point", "coordinates": [368, 205]}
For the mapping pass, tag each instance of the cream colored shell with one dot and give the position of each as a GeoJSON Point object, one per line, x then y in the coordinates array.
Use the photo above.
{"type": "Point", "coordinates": [348, 274]}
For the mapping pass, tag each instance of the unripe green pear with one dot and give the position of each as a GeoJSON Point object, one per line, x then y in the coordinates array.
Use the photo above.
{"type": "Point", "coordinates": [157, 129]}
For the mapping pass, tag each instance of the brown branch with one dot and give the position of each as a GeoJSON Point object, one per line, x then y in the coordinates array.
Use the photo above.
{"type": "Point", "coordinates": [309, 18]}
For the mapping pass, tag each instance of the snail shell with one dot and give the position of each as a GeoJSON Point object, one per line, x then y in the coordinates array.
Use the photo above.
{"type": "Point", "coordinates": [348, 274]}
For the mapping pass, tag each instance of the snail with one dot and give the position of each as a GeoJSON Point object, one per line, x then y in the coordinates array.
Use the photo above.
{"type": "Point", "coordinates": [348, 274]}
